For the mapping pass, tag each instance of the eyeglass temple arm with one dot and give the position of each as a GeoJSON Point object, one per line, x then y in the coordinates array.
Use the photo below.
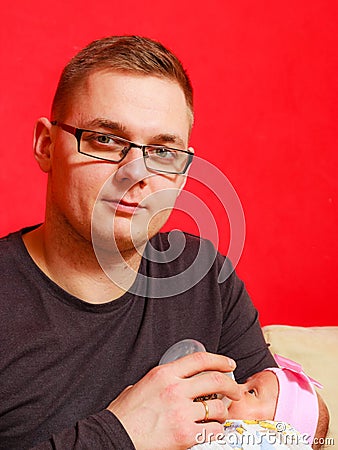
{"type": "Point", "coordinates": [65, 127]}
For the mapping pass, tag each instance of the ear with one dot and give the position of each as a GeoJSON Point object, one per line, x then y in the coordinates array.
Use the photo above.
{"type": "Point", "coordinates": [42, 144]}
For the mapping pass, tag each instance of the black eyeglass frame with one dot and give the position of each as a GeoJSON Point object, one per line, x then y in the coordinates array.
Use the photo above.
{"type": "Point", "coordinates": [77, 132]}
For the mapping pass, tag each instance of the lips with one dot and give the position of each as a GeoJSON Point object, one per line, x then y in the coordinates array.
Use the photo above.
{"type": "Point", "coordinates": [131, 204]}
{"type": "Point", "coordinates": [124, 206]}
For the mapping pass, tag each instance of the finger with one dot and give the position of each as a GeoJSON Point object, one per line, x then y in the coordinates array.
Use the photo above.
{"type": "Point", "coordinates": [210, 410]}
{"type": "Point", "coordinates": [212, 383]}
{"type": "Point", "coordinates": [202, 361]}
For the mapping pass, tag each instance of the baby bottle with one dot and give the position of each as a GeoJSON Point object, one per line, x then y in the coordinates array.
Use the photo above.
{"type": "Point", "coordinates": [180, 349]}
{"type": "Point", "coordinates": [187, 347]}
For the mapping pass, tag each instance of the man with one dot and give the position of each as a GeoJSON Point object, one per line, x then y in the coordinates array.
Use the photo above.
{"type": "Point", "coordinates": [95, 295]}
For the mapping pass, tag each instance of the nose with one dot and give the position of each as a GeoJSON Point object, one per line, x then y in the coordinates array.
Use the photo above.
{"type": "Point", "coordinates": [132, 168]}
{"type": "Point", "coordinates": [242, 388]}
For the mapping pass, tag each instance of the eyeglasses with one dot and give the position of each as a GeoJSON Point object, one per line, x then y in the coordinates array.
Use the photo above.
{"type": "Point", "coordinates": [108, 147]}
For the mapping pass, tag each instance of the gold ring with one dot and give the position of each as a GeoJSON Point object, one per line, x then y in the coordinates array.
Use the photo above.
{"type": "Point", "coordinates": [206, 407]}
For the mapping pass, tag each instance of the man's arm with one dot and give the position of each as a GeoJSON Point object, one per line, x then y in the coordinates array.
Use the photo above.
{"type": "Point", "coordinates": [158, 412]}
{"type": "Point", "coordinates": [99, 431]}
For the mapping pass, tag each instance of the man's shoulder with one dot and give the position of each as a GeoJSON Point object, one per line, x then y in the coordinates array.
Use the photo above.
{"type": "Point", "coordinates": [8, 241]}
{"type": "Point", "coordinates": [17, 233]}
{"type": "Point", "coordinates": [11, 245]}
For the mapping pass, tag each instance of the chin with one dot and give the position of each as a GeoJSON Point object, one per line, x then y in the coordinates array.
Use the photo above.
{"type": "Point", "coordinates": [127, 243]}
{"type": "Point", "coordinates": [117, 240]}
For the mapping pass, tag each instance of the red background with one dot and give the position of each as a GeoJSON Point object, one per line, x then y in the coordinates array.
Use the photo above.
{"type": "Point", "coordinates": [265, 80]}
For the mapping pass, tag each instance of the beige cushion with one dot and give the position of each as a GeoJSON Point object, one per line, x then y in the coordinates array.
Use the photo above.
{"type": "Point", "coordinates": [316, 349]}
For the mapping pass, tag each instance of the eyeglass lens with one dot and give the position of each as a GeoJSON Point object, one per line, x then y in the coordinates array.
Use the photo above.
{"type": "Point", "coordinates": [104, 146]}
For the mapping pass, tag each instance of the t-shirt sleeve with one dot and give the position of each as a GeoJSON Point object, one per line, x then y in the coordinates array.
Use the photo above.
{"type": "Point", "coordinates": [100, 431]}
{"type": "Point", "coordinates": [242, 338]}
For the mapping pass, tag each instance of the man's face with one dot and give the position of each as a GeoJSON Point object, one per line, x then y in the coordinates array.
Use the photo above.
{"type": "Point", "coordinates": [259, 398]}
{"type": "Point", "coordinates": [142, 109]}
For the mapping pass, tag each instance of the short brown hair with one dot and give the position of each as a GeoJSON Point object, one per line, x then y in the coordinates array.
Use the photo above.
{"type": "Point", "coordinates": [130, 54]}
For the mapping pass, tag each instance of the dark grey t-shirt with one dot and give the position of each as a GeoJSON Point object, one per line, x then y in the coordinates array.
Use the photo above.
{"type": "Point", "coordinates": [64, 360]}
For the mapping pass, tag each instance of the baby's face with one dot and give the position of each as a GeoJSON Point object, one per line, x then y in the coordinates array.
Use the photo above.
{"type": "Point", "coordinates": [259, 398]}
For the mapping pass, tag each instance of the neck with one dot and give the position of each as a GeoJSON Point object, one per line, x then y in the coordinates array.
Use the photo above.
{"type": "Point", "coordinates": [71, 262]}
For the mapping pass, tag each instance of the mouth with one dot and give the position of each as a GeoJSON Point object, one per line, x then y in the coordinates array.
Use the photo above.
{"type": "Point", "coordinates": [125, 207]}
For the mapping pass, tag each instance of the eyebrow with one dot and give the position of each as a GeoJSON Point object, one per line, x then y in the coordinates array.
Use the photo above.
{"type": "Point", "coordinates": [108, 124]}
{"type": "Point", "coordinates": [254, 384]}
{"type": "Point", "coordinates": [168, 138]}
{"type": "Point", "coordinates": [118, 127]}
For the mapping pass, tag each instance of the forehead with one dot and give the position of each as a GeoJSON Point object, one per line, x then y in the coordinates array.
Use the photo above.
{"type": "Point", "coordinates": [134, 100]}
{"type": "Point", "coordinates": [264, 378]}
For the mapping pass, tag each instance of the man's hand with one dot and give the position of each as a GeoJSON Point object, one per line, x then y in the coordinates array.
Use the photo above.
{"type": "Point", "coordinates": [159, 413]}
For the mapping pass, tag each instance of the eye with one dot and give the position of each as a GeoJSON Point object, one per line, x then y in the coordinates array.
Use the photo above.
{"type": "Point", "coordinates": [103, 139]}
{"type": "Point", "coordinates": [252, 391]}
{"type": "Point", "coordinates": [164, 153]}
{"type": "Point", "coordinates": [102, 142]}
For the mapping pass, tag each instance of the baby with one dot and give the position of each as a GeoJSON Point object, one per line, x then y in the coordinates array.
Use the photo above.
{"type": "Point", "coordinates": [285, 395]}
{"type": "Point", "coordinates": [281, 400]}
